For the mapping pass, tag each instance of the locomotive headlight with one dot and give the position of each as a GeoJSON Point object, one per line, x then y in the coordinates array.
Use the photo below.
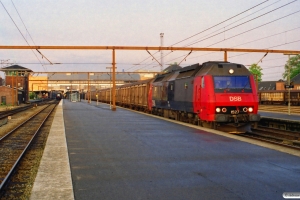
{"type": "Point", "coordinates": [218, 110]}
{"type": "Point", "coordinates": [224, 110]}
{"type": "Point", "coordinates": [245, 109]}
{"type": "Point", "coordinates": [250, 109]}
{"type": "Point", "coordinates": [231, 71]}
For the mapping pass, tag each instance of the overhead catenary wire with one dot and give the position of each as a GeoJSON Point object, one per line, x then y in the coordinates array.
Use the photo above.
{"type": "Point", "coordinates": [43, 56]}
{"type": "Point", "coordinates": [223, 28]}
{"type": "Point", "coordinates": [209, 28]}
{"type": "Point", "coordinates": [268, 48]}
{"type": "Point", "coordinates": [250, 21]}
{"type": "Point", "coordinates": [137, 65]}
{"type": "Point", "coordinates": [270, 67]}
{"type": "Point", "coordinates": [254, 29]}
{"type": "Point", "coordinates": [266, 37]}
{"type": "Point", "coordinates": [245, 43]}
{"type": "Point", "coordinates": [252, 41]}
{"type": "Point", "coordinates": [238, 54]}
{"type": "Point", "coordinates": [245, 23]}
{"type": "Point", "coordinates": [20, 30]}
{"type": "Point", "coordinates": [221, 22]}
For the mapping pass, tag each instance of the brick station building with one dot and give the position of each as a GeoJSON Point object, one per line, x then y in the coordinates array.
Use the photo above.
{"type": "Point", "coordinates": [15, 89]}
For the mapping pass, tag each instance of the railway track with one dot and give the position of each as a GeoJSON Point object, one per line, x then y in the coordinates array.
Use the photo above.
{"type": "Point", "coordinates": [285, 138]}
{"type": "Point", "coordinates": [278, 108]}
{"type": "Point", "coordinates": [5, 113]}
{"type": "Point", "coordinates": [14, 147]}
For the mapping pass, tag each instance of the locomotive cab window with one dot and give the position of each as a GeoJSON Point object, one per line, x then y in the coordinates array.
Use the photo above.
{"type": "Point", "coordinates": [232, 84]}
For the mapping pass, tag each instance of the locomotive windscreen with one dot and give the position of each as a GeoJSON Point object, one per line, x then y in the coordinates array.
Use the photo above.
{"type": "Point", "coordinates": [232, 84]}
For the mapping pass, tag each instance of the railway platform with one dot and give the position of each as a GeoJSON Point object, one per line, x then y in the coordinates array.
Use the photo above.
{"type": "Point", "coordinates": [127, 155]}
{"type": "Point", "coordinates": [280, 120]}
{"type": "Point", "coordinates": [53, 180]}
{"type": "Point", "coordinates": [280, 116]}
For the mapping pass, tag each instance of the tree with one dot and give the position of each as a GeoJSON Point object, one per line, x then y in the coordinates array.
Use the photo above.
{"type": "Point", "coordinates": [256, 71]}
{"type": "Point", "coordinates": [294, 64]}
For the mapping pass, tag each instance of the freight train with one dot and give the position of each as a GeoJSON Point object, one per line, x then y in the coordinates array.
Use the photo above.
{"type": "Point", "coordinates": [218, 95]}
{"type": "Point", "coordinates": [56, 94]}
{"type": "Point", "coordinates": [279, 97]}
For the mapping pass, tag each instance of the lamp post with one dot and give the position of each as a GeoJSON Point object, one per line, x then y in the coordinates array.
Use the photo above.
{"type": "Point", "coordinates": [109, 85]}
{"type": "Point", "coordinates": [289, 82]}
{"type": "Point", "coordinates": [289, 89]}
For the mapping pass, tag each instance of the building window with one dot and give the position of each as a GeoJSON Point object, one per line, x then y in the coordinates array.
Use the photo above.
{"type": "Point", "coordinates": [3, 100]}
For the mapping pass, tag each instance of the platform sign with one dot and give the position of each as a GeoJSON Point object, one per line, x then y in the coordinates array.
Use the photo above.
{"type": "Point", "coordinates": [288, 86]}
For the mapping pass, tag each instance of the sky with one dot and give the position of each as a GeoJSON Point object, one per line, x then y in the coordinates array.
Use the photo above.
{"type": "Point", "coordinates": [255, 24]}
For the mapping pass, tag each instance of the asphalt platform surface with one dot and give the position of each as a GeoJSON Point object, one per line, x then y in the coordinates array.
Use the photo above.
{"type": "Point", "coordinates": [126, 155]}
{"type": "Point", "coordinates": [280, 116]}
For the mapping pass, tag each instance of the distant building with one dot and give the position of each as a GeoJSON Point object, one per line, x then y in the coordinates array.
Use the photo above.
{"type": "Point", "coordinates": [16, 76]}
{"type": "Point", "coordinates": [16, 85]}
{"type": "Point", "coordinates": [81, 81]}
{"type": "Point", "coordinates": [8, 96]}
{"type": "Point", "coordinates": [296, 82]}
{"type": "Point", "coordinates": [267, 85]}
{"type": "Point", "coordinates": [146, 74]}
{"type": "Point", "coordinates": [37, 83]}
{"type": "Point", "coordinates": [1, 81]}
{"type": "Point", "coordinates": [279, 85]}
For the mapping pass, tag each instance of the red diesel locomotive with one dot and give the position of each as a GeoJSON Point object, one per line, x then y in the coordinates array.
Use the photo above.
{"type": "Point", "coordinates": [219, 95]}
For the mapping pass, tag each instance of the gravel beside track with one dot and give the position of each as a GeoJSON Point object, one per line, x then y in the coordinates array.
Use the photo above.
{"type": "Point", "coordinates": [18, 119]}
{"type": "Point", "coordinates": [20, 184]}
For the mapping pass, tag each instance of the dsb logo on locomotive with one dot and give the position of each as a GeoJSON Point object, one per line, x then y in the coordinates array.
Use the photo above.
{"type": "Point", "coordinates": [235, 98]}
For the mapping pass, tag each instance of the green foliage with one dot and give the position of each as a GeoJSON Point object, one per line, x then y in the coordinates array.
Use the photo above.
{"type": "Point", "coordinates": [294, 63]}
{"type": "Point", "coordinates": [32, 95]}
{"type": "Point", "coordinates": [256, 71]}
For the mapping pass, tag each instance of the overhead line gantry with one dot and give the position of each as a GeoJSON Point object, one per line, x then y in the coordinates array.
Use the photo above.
{"type": "Point", "coordinates": [146, 48]}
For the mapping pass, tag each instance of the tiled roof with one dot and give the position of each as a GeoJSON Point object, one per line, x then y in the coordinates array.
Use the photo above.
{"type": "Point", "coordinates": [296, 79]}
{"type": "Point", "coordinates": [267, 85]}
{"type": "Point", "coordinates": [15, 67]}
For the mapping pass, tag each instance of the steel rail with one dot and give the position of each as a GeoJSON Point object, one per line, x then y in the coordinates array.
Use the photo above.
{"type": "Point", "coordinates": [27, 146]}
{"type": "Point", "coordinates": [252, 136]}
{"type": "Point", "coordinates": [6, 113]}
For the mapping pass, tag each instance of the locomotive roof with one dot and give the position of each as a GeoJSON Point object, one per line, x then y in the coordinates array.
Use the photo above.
{"type": "Point", "coordinates": [166, 77]}
{"type": "Point", "coordinates": [221, 68]}
{"type": "Point", "coordinates": [172, 68]}
{"type": "Point", "coordinates": [189, 71]}
{"type": "Point", "coordinates": [188, 68]}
